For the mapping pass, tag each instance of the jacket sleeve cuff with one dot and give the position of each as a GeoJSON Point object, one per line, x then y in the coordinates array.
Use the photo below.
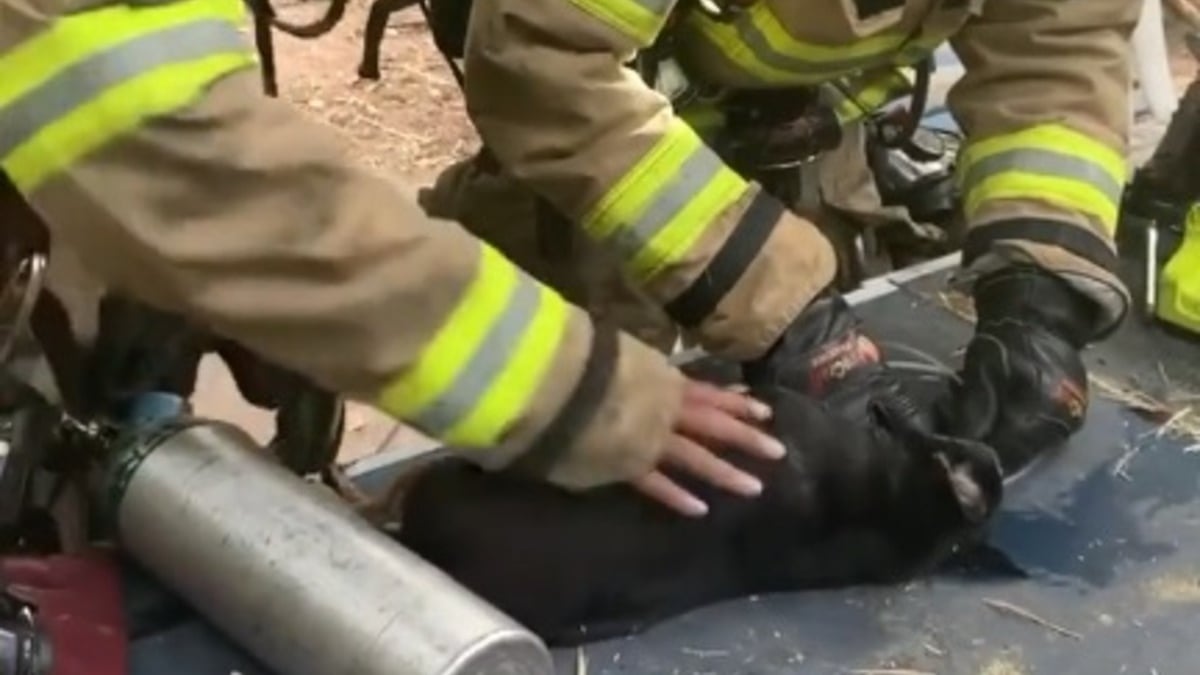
{"type": "Point", "coordinates": [1080, 257]}
{"type": "Point", "coordinates": [615, 424]}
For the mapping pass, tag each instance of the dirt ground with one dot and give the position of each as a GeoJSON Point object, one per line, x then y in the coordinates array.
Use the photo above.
{"type": "Point", "coordinates": [412, 122]}
{"type": "Point", "coordinates": [409, 125]}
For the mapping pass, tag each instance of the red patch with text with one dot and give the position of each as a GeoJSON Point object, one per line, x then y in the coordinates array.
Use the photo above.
{"type": "Point", "coordinates": [1072, 397]}
{"type": "Point", "coordinates": [835, 361]}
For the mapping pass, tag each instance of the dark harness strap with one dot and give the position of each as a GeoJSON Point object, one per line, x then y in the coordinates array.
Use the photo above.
{"type": "Point", "coordinates": [869, 8]}
{"type": "Point", "coordinates": [23, 233]}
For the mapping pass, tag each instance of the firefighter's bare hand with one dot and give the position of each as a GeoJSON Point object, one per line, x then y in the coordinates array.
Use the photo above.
{"type": "Point", "coordinates": [711, 418]}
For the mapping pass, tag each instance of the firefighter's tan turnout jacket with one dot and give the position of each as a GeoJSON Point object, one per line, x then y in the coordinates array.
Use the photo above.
{"type": "Point", "coordinates": [139, 134]}
{"type": "Point", "coordinates": [1044, 102]}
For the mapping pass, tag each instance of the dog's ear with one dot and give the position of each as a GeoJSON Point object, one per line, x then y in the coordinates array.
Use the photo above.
{"type": "Point", "coordinates": [971, 469]}
{"type": "Point", "coordinates": [973, 474]}
{"type": "Point", "coordinates": [967, 492]}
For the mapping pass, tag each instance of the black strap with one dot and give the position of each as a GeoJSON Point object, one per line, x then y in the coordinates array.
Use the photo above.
{"type": "Point", "coordinates": [264, 41]}
{"type": "Point", "coordinates": [23, 233]}
{"type": "Point", "coordinates": [870, 8]}
{"type": "Point", "coordinates": [373, 33]}
{"type": "Point", "coordinates": [1071, 238]}
{"type": "Point", "coordinates": [555, 234]}
{"type": "Point", "coordinates": [50, 323]}
{"type": "Point", "coordinates": [576, 415]}
{"type": "Point", "coordinates": [21, 226]}
{"type": "Point", "coordinates": [698, 301]}
{"type": "Point", "coordinates": [266, 19]}
{"type": "Point", "coordinates": [34, 427]}
{"type": "Point", "coordinates": [51, 326]}
{"type": "Point", "coordinates": [892, 136]}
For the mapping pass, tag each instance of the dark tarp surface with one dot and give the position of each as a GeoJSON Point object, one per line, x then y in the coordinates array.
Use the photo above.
{"type": "Point", "coordinates": [1103, 541]}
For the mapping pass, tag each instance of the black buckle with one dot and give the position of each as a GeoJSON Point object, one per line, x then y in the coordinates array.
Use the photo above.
{"type": "Point", "coordinates": [34, 427]}
{"type": "Point", "coordinates": [869, 8]}
{"type": "Point", "coordinates": [24, 649]}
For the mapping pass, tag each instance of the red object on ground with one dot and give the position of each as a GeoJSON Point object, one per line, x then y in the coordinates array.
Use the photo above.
{"type": "Point", "coordinates": [77, 605]}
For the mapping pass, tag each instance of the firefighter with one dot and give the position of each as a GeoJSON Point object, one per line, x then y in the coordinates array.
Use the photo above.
{"type": "Point", "coordinates": [1044, 102]}
{"type": "Point", "coordinates": [138, 135]}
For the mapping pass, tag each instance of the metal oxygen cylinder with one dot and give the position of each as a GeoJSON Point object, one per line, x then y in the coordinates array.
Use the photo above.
{"type": "Point", "coordinates": [292, 575]}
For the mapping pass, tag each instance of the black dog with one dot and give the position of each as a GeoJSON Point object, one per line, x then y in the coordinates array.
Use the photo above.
{"type": "Point", "coordinates": [847, 506]}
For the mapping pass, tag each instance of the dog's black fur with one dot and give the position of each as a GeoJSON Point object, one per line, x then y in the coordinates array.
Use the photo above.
{"type": "Point", "coordinates": [847, 506]}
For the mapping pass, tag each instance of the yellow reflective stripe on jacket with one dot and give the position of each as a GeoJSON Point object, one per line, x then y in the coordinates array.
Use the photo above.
{"type": "Point", "coordinates": [482, 368]}
{"type": "Point", "coordinates": [758, 43]}
{"type": "Point", "coordinates": [1049, 163]}
{"type": "Point", "coordinates": [638, 20]}
{"type": "Point", "coordinates": [860, 96]}
{"type": "Point", "coordinates": [93, 76]}
{"type": "Point", "coordinates": [661, 206]}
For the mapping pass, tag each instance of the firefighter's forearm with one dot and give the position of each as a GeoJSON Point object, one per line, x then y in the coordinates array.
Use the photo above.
{"type": "Point", "coordinates": [252, 220]}
{"type": "Point", "coordinates": [548, 92]}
